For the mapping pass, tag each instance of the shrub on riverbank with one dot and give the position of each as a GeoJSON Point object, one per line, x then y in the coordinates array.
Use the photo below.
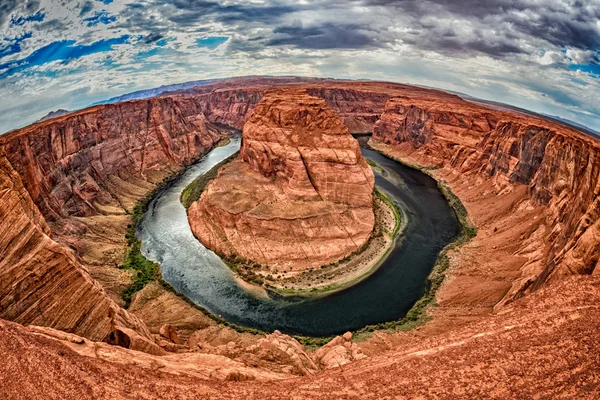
{"type": "Point", "coordinates": [194, 190]}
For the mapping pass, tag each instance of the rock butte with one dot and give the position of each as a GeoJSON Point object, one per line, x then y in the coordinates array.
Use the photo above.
{"type": "Point", "coordinates": [300, 194]}
{"type": "Point", "coordinates": [509, 322]}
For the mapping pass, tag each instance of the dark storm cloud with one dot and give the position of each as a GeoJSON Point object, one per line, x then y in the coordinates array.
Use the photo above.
{"type": "Point", "coordinates": [86, 7]}
{"type": "Point", "coordinates": [566, 24]}
{"type": "Point", "coordinates": [152, 37]}
{"type": "Point", "coordinates": [188, 13]}
{"type": "Point", "coordinates": [325, 36]}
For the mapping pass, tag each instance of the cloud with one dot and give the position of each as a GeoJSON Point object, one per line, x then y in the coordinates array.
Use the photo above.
{"type": "Point", "coordinates": [152, 37]}
{"type": "Point", "coordinates": [8, 7]}
{"type": "Point", "coordinates": [64, 50]}
{"type": "Point", "coordinates": [101, 17]}
{"type": "Point", "coordinates": [532, 53]}
{"type": "Point", "coordinates": [13, 46]}
{"type": "Point", "coordinates": [86, 7]}
{"type": "Point", "coordinates": [324, 36]}
{"type": "Point", "coordinates": [500, 27]}
{"type": "Point", "coordinates": [20, 21]}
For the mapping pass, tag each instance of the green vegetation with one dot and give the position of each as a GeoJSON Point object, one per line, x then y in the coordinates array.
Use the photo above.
{"type": "Point", "coordinates": [145, 271]}
{"type": "Point", "coordinates": [194, 190]}
{"type": "Point", "coordinates": [374, 165]}
{"type": "Point", "coordinates": [223, 142]}
{"type": "Point", "coordinates": [394, 208]}
{"type": "Point", "coordinates": [313, 343]}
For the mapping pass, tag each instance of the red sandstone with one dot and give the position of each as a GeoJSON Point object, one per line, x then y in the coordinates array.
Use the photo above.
{"type": "Point", "coordinates": [300, 194]}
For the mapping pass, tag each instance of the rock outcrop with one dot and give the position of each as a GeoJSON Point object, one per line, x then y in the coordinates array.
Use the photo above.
{"type": "Point", "coordinates": [559, 166]}
{"type": "Point", "coordinates": [340, 351]}
{"type": "Point", "coordinates": [300, 194]}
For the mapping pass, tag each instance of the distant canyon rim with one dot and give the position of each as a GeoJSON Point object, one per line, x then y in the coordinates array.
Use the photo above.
{"type": "Point", "coordinates": [529, 280]}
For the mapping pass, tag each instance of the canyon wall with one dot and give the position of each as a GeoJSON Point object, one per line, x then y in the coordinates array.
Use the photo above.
{"type": "Point", "coordinates": [64, 177]}
{"type": "Point", "coordinates": [74, 165]}
{"type": "Point", "coordinates": [300, 194]}
{"type": "Point", "coordinates": [69, 181]}
{"type": "Point", "coordinates": [559, 167]}
{"type": "Point", "coordinates": [41, 282]}
{"type": "Point", "coordinates": [359, 104]}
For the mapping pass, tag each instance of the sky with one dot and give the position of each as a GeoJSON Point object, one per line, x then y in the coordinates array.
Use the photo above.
{"type": "Point", "coordinates": [542, 55]}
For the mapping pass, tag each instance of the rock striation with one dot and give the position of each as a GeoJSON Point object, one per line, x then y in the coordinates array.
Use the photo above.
{"type": "Point", "coordinates": [76, 164]}
{"type": "Point", "coordinates": [64, 177]}
{"type": "Point", "coordinates": [300, 194]}
{"type": "Point", "coordinates": [358, 104]}
{"type": "Point", "coordinates": [558, 166]}
{"type": "Point", "coordinates": [41, 282]}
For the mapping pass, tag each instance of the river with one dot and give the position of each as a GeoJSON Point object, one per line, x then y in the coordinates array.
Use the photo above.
{"type": "Point", "coordinates": [385, 295]}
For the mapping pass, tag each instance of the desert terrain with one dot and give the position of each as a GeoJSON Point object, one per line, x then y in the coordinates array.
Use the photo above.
{"type": "Point", "coordinates": [515, 316]}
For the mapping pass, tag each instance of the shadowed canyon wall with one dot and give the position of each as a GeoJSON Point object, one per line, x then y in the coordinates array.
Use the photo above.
{"type": "Point", "coordinates": [560, 168]}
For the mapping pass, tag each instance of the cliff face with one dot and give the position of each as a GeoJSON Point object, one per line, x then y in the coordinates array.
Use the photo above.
{"type": "Point", "coordinates": [72, 166]}
{"type": "Point", "coordinates": [41, 282]}
{"type": "Point", "coordinates": [559, 167]}
{"type": "Point", "coordinates": [300, 194]}
{"type": "Point", "coordinates": [359, 105]}
{"type": "Point", "coordinates": [80, 173]}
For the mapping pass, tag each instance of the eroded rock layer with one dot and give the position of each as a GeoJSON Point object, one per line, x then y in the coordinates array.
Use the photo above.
{"type": "Point", "coordinates": [542, 346]}
{"type": "Point", "coordinates": [74, 165]}
{"type": "Point", "coordinates": [559, 167]}
{"type": "Point", "coordinates": [41, 282]}
{"type": "Point", "coordinates": [81, 173]}
{"type": "Point", "coordinates": [300, 194]}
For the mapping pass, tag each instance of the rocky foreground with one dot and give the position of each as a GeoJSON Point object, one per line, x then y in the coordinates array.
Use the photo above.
{"type": "Point", "coordinates": [544, 346]}
{"type": "Point", "coordinates": [299, 196]}
{"type": "Point", "coordinates": [515, 318]}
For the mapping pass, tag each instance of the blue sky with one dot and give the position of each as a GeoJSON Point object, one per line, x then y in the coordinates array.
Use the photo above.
{"type": "Point", "coordinates": [543, 56]}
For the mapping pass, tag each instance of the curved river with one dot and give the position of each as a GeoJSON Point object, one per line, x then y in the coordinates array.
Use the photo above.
{"type": "Point", "coordinates": [386, 295]}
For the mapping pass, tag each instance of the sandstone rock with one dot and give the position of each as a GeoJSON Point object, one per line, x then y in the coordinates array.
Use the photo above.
{"type": "Point", "coordinates": [525, 352]}
{"type": "Point", "coordinates": [559, 166]}
{"type": "Point", "coordinates": [285, 350]}
{"type": "Point", "coordinates": [130, 339]}
{"type": "Point", "coordinates": [170, 333]}
{"type": "Point", "coordinates": [74, 164]}
{"type": "Point", "coordinates": [339, 351]}
{"type": "Point", "coordinates": [300, 195]}
{"type": "Point", "coordinates": [42, 283]}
